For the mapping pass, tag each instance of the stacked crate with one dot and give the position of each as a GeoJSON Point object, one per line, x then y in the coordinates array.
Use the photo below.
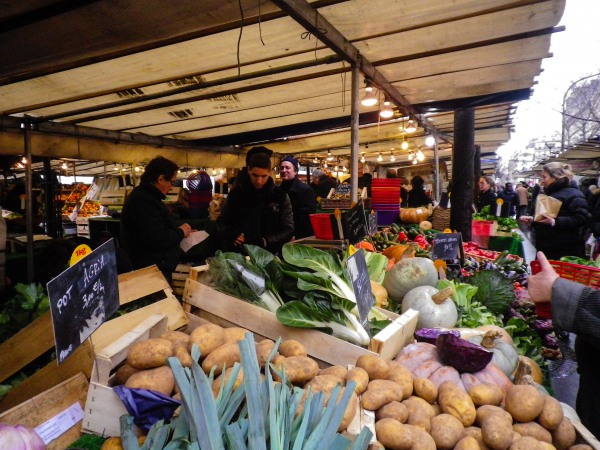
{"type": "Point", "coordinates": [385, 199]}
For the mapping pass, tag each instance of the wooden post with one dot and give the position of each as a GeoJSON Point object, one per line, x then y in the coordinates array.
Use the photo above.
{"type": "Point", "coordinates": [463, 154]}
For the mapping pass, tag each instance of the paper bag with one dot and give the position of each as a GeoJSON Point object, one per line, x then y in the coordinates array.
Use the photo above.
{"type": "Point", "coordinates": [546, 206]}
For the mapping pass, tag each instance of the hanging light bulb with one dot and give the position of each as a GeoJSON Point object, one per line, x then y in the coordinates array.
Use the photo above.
{"type": "Point", "coordinates": [214, 171]}
{"type": "Point", "coordinates": [325, 165]}
{"type": "Point", "coordinates": [221, 171]}
{"type": "Point", "coordinates": [116, 167]}
{"type": "Point", "coordinates": [392, 157]}
{"type": "Point", "coordinates": [329, 156]}
{"type": "Point", "coordinates": [411, 155]}
{"type": "Point", "coordinates": [420, 155]}
{"type": "Point", "coordinates": [137, 168]}
{"type": "Point", "coordinates": [404, 145]}
{"type": "Point", "coordinates": [387, 111]}
{"type": "Point", "coordinates": [335, 169]}
{"type": "Point", "coordinates": [429, 141]}
{"type": "Point", "coordinates": [316, 160]}
{"type": "Point", "coordinates": [344, 169]}
{"type": "Point", "coordinates": [380, 157]}
{"type": "Point", "coordinates": [370, 99]}
{"type": "Point", "coordinates": [24, 160]}
{"type": "Point", "coordinates": [362, 157]}
{"type": "Point", "coordinates": [195, 171]}
{"type": "Point", "coordinates": [414, 161]}
{"type": "Point", "coordinates": [410, 126]}
{"type": "Point", "coordinates": [64, 166]}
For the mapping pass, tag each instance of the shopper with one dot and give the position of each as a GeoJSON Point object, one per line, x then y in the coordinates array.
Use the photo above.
{"type": "Point", "coordinates": [487, 196]}
{"type": "Point", "coordinates": [510, 199]}
{"type": "Point", "coordinates": [417, 196]}
{"type": "Point", "coordinates": [563, 235]}
{"type": "Point", "coordinates": [242, 175]}
{"type": "Point", "coordinates": [256, 212]}
{"type": "Point", "coordinates": [523, 199]}
{"type": "Point", "coordinates": [323, 184]}
{"type": "Point", "coordinates": [148, 233]}
{"type": "Point", "coordinates": [576, 309]}
{"type": "Point", "coordinates": [302, 197]}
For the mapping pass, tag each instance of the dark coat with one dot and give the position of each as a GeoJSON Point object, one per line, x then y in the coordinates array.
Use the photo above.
{"type": "Point", "coordinates": [324, 186]}
{"type": "Point", "coordinates": [487, 198]}
{"type": "Point", "coordinates": [264, 213]}
{"type": "Point", "coordinates": [148, 233]}
{"type": "Point", "coordinates": [511, 201]}
{"type": "Point", "coordinates": [304, 203]}
{"type": "Point", "coordinates": [565, 238]}
{"type": "Point", "coordinates": [417, 197]}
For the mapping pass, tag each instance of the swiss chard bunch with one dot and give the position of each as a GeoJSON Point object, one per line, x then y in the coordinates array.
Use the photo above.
{"type": "Point", "coordinates": [28, 303]}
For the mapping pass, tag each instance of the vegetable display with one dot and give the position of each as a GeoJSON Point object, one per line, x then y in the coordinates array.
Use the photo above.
{"type": "Point", "coordinates": [436, 308]}
{"type": "Point", "coordinates": [408, 274]}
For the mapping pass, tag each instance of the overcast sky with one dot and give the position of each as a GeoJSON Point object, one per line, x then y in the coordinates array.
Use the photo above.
{"type": "Point", "coordinates": [576, 53]}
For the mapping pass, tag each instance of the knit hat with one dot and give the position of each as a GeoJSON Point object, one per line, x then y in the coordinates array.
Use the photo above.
{"type": "Point", "coordinates": [259, 149]}
{"type": "Point", "coordinates": [293, 161]}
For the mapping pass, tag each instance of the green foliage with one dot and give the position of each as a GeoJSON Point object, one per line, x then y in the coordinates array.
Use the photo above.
{"type": "Point", "coordinates": [29, 302]}
{"type": "Point", "coordinates": [471, 313]}
{"type": "Point", "coordinates": [495, 291]}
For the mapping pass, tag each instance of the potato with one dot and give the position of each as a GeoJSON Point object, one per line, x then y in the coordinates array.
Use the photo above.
{"type": "Point", "coordinates": [394, 435]}
{"type": "Point", "coordinates": [426, 389]}
{"type": "Point", "coordinates": [323, 383]}
{"type": "Point", "coordinates": [475, 432]}
{"type": "Point", "coordinates": [183, 355]}
{"type": "Point", "coordinates": [176, 337]}
{"type": "Point", "coordinates": [290, 347]}
{"type": "Point", "coordinates": [546, 446]}
{"type": "Point", "coordinates": [234, 334]}
{"type": "Point", "coordinates": [263, 350]}
{"type": "Point", "coordinates": [150, 353]}
{"type": "Point", "coordinates": [349, 413]}
{"type": "Point", "coordinates": [123, 373]}
{"type": "Point", "coordinates": [300, 369]}
{"type": "Point", "coordinates": [456, 402]}
{"type": "Point", "coordinates": [497, 432]}
{"type": "Point", "coordinates": [524, 402]}
{"type": "Point", "coordinates": [338, 371]}
{"type": "Point", "coordinates": [436, 409]}
{"type": "Point", "coordinates": [360, 377]}
{"type": "Point", "coordinates": [467, 443]}
{"type": "Point", "coordinates": [564, 435]}
{"type": "Point", "coordinates": [160, 379]}
{"type": "Point", "coordinates": [402, 376]}
{"type": "Point", "coordinates": [221, 358]}
{"type": "Point", "coordinates": [224, 377]}
{"type": "Point", "coordinates": [207, 337]}
{"type": "Point", "coordinates": [533, 429]}
{"type": "Point", "coordinates": [393, 410]}
{"type": "Point", "coordinates": [446, 431]}
{"type": "Point", "coordinates": [376, 367]}
{"type": "Point", "coordinates": [526, 443]}
{"type": "Point", "coordinates": [422, 440]}
{"type": "Point", "coordinates": [552, 413]}
{"type": "Point", "coordinates": [483, 412]}
{"type": "Point", "coordinates": [373, 399]}
{"type": "Point", "coordinates": [486, 394]}
{"type": "Point", "coordinates": [580, 447]}
{"type": "Point", "coordinates": [420, 412]}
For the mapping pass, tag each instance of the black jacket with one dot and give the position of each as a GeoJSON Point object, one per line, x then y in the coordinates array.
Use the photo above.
{"type": "Point", "coordinates": [565, 238]}
{"type": "Point", "coordinates": [417, 197]}
{"type": "Point", "coordinates": [264, 213]}
{"type": "Point", "coordinates": [487, 198]}
{"type": "Point", "coordinates": [304, 203]}
{"type": "Point", "coordinates": [148, 233]}
{"type": "Point", "coordinates": [511, 201]}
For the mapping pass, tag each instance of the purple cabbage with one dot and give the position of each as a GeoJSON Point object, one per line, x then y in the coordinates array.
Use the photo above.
{"type": "Point", "coordinates": [463, 355]}
{"type": "Point", "coordinates": [430, 335]}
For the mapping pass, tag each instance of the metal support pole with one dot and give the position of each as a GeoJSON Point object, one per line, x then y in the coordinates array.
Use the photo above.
{"type": "Point", "coordinates": [28, 200]}
{"type": "Point", "coordinates": [436, 157]}
{"type": "Point", "coordinates": [354, 133]}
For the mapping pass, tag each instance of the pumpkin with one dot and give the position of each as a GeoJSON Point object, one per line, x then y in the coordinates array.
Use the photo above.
{"type": "Point", "coordinates": [536, 372]}
{"type": "Point", "coordinates": [503, 333]}
{"type": "Point", "coordinates": [399, 251]}
{"type": "Point", "coordinates": [381, 295]}
{"type": "Point", "coordinates": [407, 274]}
{"type": "Point", "coordinates": [505, 354]}
{"type": "Point", "coordinates": [414, 215]}
{"type": "Point", "coordinates": [436, 308]}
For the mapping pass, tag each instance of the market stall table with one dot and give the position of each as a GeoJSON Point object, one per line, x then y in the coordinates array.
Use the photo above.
{"type": "Point", "coordinates": [501, 243]}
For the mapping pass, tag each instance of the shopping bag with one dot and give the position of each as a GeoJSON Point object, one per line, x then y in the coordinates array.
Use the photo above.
{"type": "Point", "coordinates": [546, 206]}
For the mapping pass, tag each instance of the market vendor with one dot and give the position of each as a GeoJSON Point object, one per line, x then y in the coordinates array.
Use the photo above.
{"type": "Point", "coordinates": [148, 233]}
{"type": "Point", "coordinates": [575, 308]}
{"type": "Point", "coordinates": [256, 212]}
{"type": "Point", "coordinates": [487, 195]}
{"type": "Point", "coordinates": [302, 197]}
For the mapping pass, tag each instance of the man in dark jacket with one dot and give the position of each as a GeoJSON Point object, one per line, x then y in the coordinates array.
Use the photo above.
{"type": "Point", "coordinates": [510, 199]}
{"type": "Point", "coordinates": [256, 212]}
{"type": "Point", "coordinates": [302, 197]}
{"type": "Point", "coordinates": [148, 233]}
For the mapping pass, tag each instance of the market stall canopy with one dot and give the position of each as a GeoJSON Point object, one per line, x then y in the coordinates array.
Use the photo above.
{"type": "Point", "coordinates": [203, 81]}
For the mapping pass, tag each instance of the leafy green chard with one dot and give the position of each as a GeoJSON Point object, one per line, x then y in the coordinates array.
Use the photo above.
{"type": "Point", "coordinates": [471, 313]}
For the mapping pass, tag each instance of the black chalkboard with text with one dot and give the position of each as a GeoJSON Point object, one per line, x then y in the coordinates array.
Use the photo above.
{"type": "Point", "coordinates": [447, 247]}
{"type": "Point", "coordinates": [361, 283]}
{"type": "Point", "coordinates": [82, 298]}
{"type": "Point", "coordinates": [356, 223]}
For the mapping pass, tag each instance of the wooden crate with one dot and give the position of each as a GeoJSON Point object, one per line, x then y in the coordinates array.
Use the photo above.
{"type": "Point", "coordinates": [222, 309]}
{"type": "Point", "coordinates": [48, 404]}
{"type": "Point", "coordinates": [103, 407]}
{"type": "Point", "coordinates": [181, 273]}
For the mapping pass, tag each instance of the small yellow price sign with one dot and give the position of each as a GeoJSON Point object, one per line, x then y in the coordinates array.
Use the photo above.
{"type": "Point", "coordinates": [79, 253]}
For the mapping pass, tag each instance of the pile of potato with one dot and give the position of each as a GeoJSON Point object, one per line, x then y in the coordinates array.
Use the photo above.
{"type": "Point", "coordinates": [414, 414]}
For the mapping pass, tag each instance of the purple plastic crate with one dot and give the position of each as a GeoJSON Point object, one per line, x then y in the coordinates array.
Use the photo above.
{"type": "Point", "coordinates": [387, 217]}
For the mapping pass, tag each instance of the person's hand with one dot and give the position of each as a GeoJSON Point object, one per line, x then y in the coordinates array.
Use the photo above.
{"type": "Point", "coordinates": [540, 284]}
{"type": "Point", "coordinates": [186, 229]}
{"type": "Point", "coordinates": [239, 241]}
{"type": "Point", "coordinates": [526, 219]}
{"type": "Point", "coordinates": [547, 220]}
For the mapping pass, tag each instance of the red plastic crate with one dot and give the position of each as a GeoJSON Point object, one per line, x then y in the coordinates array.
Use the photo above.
{"type": "Point", "coordinates": [379, 182]}
{"type": "Point", "coordinates": [321, 224]}
{"type": "Point", "coordinates": [590, 276]}
{"type": "Point", "coordinates": [482, 227]}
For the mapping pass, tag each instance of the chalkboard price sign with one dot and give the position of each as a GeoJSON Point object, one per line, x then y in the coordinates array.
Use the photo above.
{"type": "Point", "coordinates": [447, 246]}
{"type": "Point", "coordinates": [343, 189]}
{"type": "Point", "coordinates": [361, 283]}
{"type": "Point", "coordinates": [372, 220]}
{"type": "Point", "coordinates": [355, 223]}
{"type": "Point", "coordinates": [82, 298]}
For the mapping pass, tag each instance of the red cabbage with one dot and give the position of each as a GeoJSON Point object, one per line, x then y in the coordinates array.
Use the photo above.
{"type": "Point", "coordinates": [430, 335]}
{"type": "Point", "coordinates": [463, 355]}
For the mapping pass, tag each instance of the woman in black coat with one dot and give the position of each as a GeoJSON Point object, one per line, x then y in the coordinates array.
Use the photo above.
{"type": "Point", "coordinates": [563, 235]}
{"type": "Point", "coordinates": [487, 196]}
{"type": "Point", "coordinates": [417, 196]}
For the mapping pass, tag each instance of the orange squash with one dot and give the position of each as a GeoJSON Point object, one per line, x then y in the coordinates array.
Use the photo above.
{"type": "Point", "coordinates": [414, 215]}
{"type": "Point", "coordinates": [399, 251]}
